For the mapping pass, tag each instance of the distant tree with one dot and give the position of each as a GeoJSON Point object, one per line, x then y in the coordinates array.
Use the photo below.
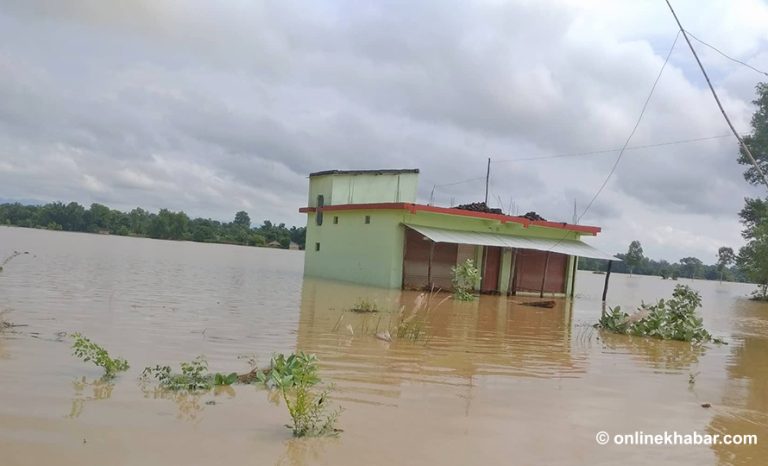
{"type": "Point", "coordinates": [690, 266]}
{"type": "Point", "coordinates": [725, 257]}
{"type": "Point", "coordinates": [97, 218]}
{"type": "Point", "coordinates": [753, 257]}
{"type": "Point", "coordinates": [242, 219]}
{"type": "Point", "coordinates": [634, 256]}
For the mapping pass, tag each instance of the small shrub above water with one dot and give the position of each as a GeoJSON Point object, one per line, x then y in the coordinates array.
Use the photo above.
{"type": "Point", "coordinates": [294, 376]}
{"type": "Point", "coordinates": [194, 376]}
{"type": "Point", "coordinates": [87, 350]}
{"type": "Point", "coordinates": [466, 277]}
{"type": "Point", "coordinates": [669, 319]}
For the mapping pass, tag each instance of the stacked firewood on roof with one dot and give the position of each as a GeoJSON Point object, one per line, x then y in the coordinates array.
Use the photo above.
{"type": "Point", "coordinates": [533, 216]}
{"type": "Point", "coordinates": [478, 207]}
{"type": "Point", "coordinates": [483, 207]}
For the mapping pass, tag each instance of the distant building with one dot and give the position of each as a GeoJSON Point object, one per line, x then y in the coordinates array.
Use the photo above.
{"type": "Point", "coordinates": [363, 226]}
{"type": "Point", "coordinates": [274, 244]}
{"type": "Point", "coordinates": [294, 246]}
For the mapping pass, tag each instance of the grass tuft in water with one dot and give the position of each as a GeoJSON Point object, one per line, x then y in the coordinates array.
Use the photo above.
{"type": "Point", "coordinates": [364, 306]}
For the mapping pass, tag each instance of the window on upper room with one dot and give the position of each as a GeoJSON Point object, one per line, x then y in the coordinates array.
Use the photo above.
{"type": "Point", "coordinates": [367, 219]}
{"type": "Point", "coordinates": [335, 219]}
{"type": "Point", "coordinates": [317, 246]}
{"type": "Point", "coordinates": [319, 210]}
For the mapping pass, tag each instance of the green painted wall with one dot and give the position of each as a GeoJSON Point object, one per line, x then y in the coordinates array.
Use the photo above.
{"type": "Point", "coordinates": [339, 189]}
{"type": "Point", "coordinates": [351, 250]}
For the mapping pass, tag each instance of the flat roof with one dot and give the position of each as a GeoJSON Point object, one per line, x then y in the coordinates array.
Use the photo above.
{"type": "Point", "coordinates": [384, 171]}
{"type": "Point", "coordinates": [413, 208]}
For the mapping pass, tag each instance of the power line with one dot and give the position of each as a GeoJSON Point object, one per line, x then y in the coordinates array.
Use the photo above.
{"type": "Point", "coordinates": [608, 151]}
{"type": "Point", "coordinates": [632, 133]}
{"type": "Point", "coordinates": [626, 143]}
{"type": "Point", "coordinates": [725, 55]}
{"type": "Point", "coordinates": [717, 99]}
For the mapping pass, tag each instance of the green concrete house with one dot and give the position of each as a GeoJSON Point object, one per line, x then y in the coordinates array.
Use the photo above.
{"type": "Point", "coordinates": [364, 226]}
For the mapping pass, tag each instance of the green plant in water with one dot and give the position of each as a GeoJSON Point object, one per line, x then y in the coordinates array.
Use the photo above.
{"type": "Point", "coordinates": [294, 376]}
{"type": "Point", "coordinates": [668, 319]}
{"type": "Point", "coordinates": [364, 306]}
{"type": "Point", "coordinates": [466, 277]}
{"type": "Point", "coordinates": [87, 350]}
{"type": "Point", "coordinates": [194, 376]}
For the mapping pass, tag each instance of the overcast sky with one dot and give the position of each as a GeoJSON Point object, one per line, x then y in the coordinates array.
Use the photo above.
{"type": "Point", "coordinates": [214, 107]}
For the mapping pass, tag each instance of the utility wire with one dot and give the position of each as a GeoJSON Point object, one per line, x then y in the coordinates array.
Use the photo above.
{"type": "Point", "coordinates": [632, 133]}
{"type": "Point", "coordinates": [726, 56]}
{"type": "Point", "coordinates": [626, 143]}
{"type": "Point", "coordinates": [717, 99]}
{"type": "Point", "coordinates": [608, 151]}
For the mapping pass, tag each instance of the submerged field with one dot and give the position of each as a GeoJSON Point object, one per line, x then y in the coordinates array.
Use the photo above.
{"type": "Point", "coordinates": [485, 382]}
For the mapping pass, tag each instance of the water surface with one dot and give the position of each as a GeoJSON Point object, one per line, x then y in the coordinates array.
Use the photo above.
{"type": "Point", "coordinates": [488, 381]}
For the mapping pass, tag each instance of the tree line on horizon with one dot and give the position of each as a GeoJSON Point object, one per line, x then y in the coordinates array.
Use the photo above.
{"type": "Point", "coordinates": [164, 224]}
{"type": "Point", "coordinates": [635, 262]}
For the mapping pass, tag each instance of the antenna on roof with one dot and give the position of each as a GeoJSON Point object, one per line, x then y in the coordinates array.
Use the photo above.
{"type": "Point", "coordinates": [575, 215]}
{"type": "Point", "coordinates": [487, 179]}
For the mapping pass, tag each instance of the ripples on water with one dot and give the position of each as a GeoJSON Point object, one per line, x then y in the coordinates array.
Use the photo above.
{"type": "Point", "coordinates": [488, 379]}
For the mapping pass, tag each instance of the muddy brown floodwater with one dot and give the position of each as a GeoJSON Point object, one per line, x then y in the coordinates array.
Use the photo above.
{"type": "Point", "coordinates": [490, 382]}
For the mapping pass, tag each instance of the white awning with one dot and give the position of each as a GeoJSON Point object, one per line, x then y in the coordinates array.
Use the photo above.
{"type": "Point", "coordinates": [569, 247]}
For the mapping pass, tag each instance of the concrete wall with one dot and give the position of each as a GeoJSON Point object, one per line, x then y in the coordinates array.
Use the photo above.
{"type": "Point", "coordinates": [351, 250]}
{"type": "Point", "coordinates": [340, 189]}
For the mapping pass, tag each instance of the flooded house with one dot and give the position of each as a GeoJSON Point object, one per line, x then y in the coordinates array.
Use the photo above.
{"type": "Point", "coordinates": [365, 227]}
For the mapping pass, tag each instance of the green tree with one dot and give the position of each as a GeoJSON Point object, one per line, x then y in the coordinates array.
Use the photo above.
{"type": "Point", "coordinates": [634, 256]}
{"type": "Point", "coordinates": [757, 141]}
{"type": "Point", "coordinates": [242, 219]}
{"type": "Point", "coordinates": [725, 257]}
{"type": "Point", "coordinates": [690, 266]}
{"type": "Point", "coordinates": [753, 257]}
{"type": "Point", "coordinates": [97, 218]}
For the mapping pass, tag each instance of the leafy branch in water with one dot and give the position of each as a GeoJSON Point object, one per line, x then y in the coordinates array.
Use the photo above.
{"type": "Point", "coordinates": [668, 319]}
{"type": "Point", "coordinates": [87, 350]}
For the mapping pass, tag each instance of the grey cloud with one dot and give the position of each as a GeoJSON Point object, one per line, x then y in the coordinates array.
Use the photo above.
{"type": "Point", "coordinates": [215, 107]}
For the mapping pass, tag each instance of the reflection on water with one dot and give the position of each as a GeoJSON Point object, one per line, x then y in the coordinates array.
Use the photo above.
{"type": "Point", "coordinates": [483, 381]}
{"type": "Point", "coordinates": [745, 401]}
{"type": "Point", "coordinates": [660, 355]}
{"type": "Point", "coordinates": [101, 389]}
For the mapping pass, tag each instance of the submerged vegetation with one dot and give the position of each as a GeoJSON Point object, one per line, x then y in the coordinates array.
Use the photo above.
{"type": "Point", "coordinates": [194, 376]}
{"type": "Point", "coordinates": [466, 277]}
{"type": "Point", "coordinates": [87, 350]}
{"type": "Point", "coordinates": [294, 376]}
{"type": "Point", "coordinates": [364, 305]}
{"type": "Point", "coordinates": [669, 319]}
{"type": "Point", "coordinates": [165, 224]}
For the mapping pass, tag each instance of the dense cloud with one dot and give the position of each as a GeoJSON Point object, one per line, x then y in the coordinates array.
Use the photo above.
{"type": "Point", "coordinates": [218, 107]}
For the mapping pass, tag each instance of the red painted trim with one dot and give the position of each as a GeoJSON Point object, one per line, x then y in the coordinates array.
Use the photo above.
{"type": "Point", "coordinates": [413, 208]}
